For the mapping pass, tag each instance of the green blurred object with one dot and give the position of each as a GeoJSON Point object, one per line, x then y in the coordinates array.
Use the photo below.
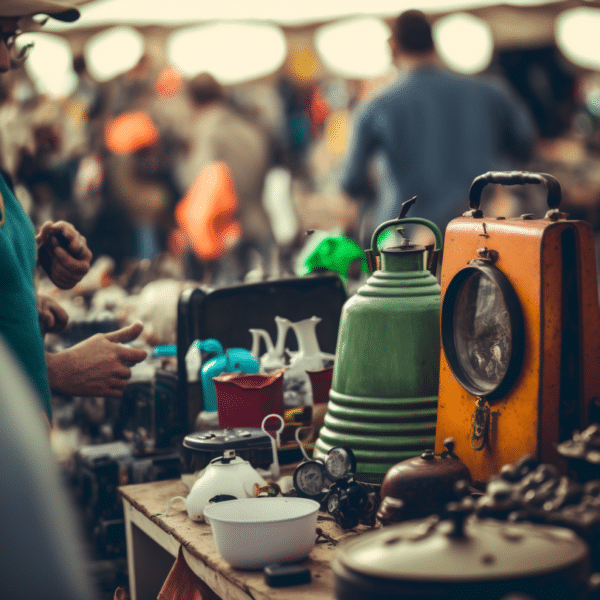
{"type": "Point", "coordinates": [384, 391]}
{"type": "Point", "coordinates": [336, 253]}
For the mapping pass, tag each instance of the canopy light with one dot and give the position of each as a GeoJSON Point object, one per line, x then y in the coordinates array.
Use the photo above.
{"type": "Point", "coordinates": [464, 42]}
{"type": "Point", "coordinates": [576, 33]}
{"type": "Point", "coordinates": [355, 48]}
{"type": "Point", "coordinates": [185, 12]}
{"type": "Point", "coordinates": [113, 52]}
{"type": "Point", "coordinates": [231, 52]}
{"type": "Point", "coordinates": [50, 63]}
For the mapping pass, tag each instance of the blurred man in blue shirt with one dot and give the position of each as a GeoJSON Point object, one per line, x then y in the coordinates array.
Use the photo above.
{"type": "Point", "coordinates": [433, 132]}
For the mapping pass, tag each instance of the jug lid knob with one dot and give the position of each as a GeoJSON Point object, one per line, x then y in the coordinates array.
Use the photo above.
{"type": "Point", "coordinates": [405, 247]}
{"type": "Point", "coordinates": [228, 456]}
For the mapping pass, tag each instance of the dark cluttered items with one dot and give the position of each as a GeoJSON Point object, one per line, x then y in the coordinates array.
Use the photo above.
{"type": "Point", "coordinates": [98, 472]}
{"type": "Point", "coordinates": [227, 314]}
{"type": "Point", "coordinates": [532, 532]}
{"type": "Point", "coordinates": [582, 452]}
{"type": "Point", "coordinates": [331, 481]}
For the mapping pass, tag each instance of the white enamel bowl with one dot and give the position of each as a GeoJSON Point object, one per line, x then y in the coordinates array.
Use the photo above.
{"type": "Point", "coordinates": [252, 533]}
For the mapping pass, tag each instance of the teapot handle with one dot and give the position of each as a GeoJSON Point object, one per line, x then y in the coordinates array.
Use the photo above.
{"type": "Point", "coordinates": [415, 221]}
{"type": "Point", "coordinates": [175, 498]}
{"type": "Point", "coordinates": [257, 335]}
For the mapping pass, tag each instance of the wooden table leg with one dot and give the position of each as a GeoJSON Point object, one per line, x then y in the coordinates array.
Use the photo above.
{"type": "Point", "coordinates": [148, 562]}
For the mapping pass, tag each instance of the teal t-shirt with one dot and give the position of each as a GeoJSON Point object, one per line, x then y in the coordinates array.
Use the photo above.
{"type": "Point", "coordinates": [19, 324]}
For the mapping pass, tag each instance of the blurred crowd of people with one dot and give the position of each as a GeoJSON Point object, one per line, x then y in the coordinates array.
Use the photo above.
{"type": "Point", "coordinates": [151, 164]}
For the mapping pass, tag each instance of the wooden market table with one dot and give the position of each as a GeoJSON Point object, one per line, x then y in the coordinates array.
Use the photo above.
{"type": "Point", "coordinates": [154, 540]}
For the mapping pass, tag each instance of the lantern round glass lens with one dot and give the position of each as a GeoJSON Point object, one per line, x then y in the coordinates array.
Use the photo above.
{"type": "Point", "coordinates": [483, 333]}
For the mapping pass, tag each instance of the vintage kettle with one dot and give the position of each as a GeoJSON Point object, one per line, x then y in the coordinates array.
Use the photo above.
{"type": "Point", "coordinates": [384, 391]}
{"type": "Point", "coordinates": [227, 475]}
{"type": "Point", "coordinates": [423, 485]}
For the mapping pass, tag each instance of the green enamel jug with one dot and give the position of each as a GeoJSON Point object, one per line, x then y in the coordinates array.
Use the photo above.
{"type": "Point", "coordinates": [384, 390]}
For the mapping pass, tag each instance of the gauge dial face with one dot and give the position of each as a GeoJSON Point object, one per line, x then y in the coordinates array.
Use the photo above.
{"type": "Point", "coordinates": [339, 463]}
{"type": "Point", "coordinates": [482, 330]}
{"type": "Point", "coordinates": [309, 479]}
{"type": "Point", "coordinates": [333, 503]}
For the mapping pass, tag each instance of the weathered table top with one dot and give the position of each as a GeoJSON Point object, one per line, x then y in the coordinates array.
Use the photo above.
{"type": "Point", "coordinates": [150, 499]}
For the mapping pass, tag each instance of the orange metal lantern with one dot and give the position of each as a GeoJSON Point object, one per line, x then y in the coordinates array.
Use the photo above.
{"type": "Point", "coordinates": [520, 360]}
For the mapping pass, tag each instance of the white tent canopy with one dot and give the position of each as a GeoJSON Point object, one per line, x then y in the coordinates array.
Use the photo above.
{"type": "Point", "coordinates": [283, 12]}
{"type": "Point", "coordinates": [237, 40]}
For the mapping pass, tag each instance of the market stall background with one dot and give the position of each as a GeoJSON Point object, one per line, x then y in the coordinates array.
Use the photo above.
{"type": "Point", "coordinates": [296, 67]}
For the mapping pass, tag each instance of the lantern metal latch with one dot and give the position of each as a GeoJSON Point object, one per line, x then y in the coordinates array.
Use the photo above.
{"type": "Point", "coordinates": [487, 254]}
{"type": "Point", "coordinates": [556, 215]}
{"type": "Point", "coordinates": [481, 425]}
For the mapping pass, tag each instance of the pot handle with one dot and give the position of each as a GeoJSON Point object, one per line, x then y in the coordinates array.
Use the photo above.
{"type": "Point", "coordinates": [415, 221]}
{"type": "Point", "coordinates": [513, 178]}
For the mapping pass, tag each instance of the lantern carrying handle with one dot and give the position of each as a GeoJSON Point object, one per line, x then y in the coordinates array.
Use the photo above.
{"type": "Point", "coordinates": [411, 220]}
{"type": "Point", "coordinates": [514, 178]}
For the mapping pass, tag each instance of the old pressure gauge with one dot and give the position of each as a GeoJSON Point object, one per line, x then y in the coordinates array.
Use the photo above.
{"type": "Point", "coordinates": [313, 477]}
{"type": "Point", "coordinates": [309, 479]}
{"type": "Point", "coordinates": [339, 463]}
{"type": "Point", "coordinates": [482, 330]}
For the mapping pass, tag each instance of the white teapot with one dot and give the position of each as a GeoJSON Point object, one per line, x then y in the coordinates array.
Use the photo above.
{"type": "Point", "coordinates": [227, 475]}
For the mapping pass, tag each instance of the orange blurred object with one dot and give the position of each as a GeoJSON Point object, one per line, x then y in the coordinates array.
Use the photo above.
{"type": "Point", "coordinates": [304, 65]}
{"type": "Point", "coordinates": [318, 109]}
{"type": "Point", "coordinates": [168, 83]}
{"type": "Point", "coordinates": [207, 212]}
{"type": "Point", "coordinates": [130, 132]}
{"type": "Point", "coordinates": [337, 130]}
{"type": "Point", "coordinates": [178, 244]}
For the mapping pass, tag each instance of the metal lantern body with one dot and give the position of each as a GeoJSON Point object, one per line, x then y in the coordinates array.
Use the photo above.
{"type": "Point", "coordinates": [520, 329]}
{"type": "Point", "coordinates": [384, 391]}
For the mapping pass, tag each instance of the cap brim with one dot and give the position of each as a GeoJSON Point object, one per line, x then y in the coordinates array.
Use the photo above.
{"type": "Point", "coordinates": [68, 16]}
{"type": "Point", "coordinates": [27, 8]}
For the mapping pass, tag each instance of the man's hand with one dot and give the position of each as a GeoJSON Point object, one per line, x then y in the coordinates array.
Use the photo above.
{"type": "Point", "coordinates": [63, 253]}
{"type": "Point", "coordinates": [52, 316]}
{"type": "Point", "coordinates": [98, 366]}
